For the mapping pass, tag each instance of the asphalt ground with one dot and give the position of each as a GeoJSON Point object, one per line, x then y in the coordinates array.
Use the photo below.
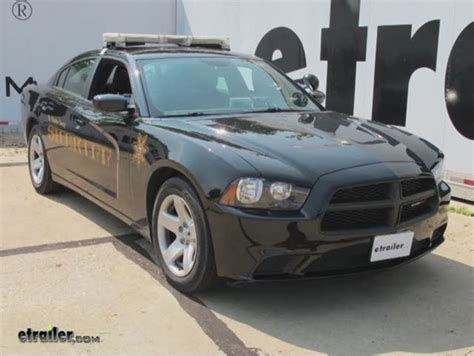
{"type": "Point", "coordinates": [65, 262]}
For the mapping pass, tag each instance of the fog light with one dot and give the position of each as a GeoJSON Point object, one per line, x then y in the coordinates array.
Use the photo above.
{"type": "Point", "coordinates": [280, 191]}
{"type": "Point", "coordinates": [249, 190]}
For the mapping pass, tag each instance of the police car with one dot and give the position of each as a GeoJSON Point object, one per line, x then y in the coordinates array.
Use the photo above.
{"type": "Point", "coordinates": [230, 168]}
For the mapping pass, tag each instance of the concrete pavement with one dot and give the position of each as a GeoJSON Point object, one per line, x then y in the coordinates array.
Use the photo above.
{"type": "Point", "coordinates": [67, 263]}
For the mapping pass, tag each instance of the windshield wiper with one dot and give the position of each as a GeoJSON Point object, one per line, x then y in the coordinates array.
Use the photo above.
{"type": "Point", "coordinates": [189, 114]}
{"type": "Point", "coordinates": [201, 113]}
{"type": "Point", "coordinates": [196, 113]}
{"type": "Point", "coordinates": [274, 109]}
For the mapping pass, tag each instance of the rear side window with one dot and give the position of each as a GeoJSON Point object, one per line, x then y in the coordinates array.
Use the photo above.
{"type": "Point", "coordinates": [61, 77]}
{"type": "Point", "coordinates": [78, 75]}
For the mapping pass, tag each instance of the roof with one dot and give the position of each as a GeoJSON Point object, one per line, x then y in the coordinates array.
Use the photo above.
{"type": "Point", "coordinates": [161, 51]}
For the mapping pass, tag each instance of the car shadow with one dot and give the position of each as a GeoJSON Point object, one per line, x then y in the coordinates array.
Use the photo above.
{"type": "Point", "coordinates": [423, 307]}
{"type": "Point", "coordinates": [91, 211]}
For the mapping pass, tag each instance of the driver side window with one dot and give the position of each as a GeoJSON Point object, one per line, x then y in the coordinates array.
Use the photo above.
{"type": "Point", "coordinates": [111, 78]}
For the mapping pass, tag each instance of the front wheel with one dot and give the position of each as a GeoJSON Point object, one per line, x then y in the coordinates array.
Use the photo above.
{"type": "Point", "coordinates": [38, 164]}
{"type": "Point", "coordinates": [181, 238]}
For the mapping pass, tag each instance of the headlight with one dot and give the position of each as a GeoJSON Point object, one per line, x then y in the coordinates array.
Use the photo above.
{"type": "Point", "coordinates": [249, 190]}
{"type": "Point", "coordinates": [280, 191]}
{"type": "Point", "coordinates": [438, 171]}
{"type": "Point", "coordinates": [264, 194]}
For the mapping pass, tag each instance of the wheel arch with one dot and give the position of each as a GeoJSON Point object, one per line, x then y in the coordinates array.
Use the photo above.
{"type": "Point", "coordinates": [30, 122]}
{"type": "Point", "coordinates": [159, 176]}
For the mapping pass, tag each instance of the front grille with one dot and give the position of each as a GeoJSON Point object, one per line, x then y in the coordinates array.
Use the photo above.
{"type": "Point", "coordinates": [355, 219]}
{"type": "Point", "coordinates": [355, 258]}
{"type": "Point", "coordinates": [372, 192]}
{"type": "Point", "coordinates": [417, 186]}
{"type": "Point", "coordinates": [391, 203]}
{"type": "Point", "coordinates": [341, 259]}
{"type": "Point", "coordinates": [414, 210]}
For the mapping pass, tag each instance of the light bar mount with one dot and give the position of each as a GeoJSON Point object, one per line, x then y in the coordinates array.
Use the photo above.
{"type": "Point", "coordinates": [122, 40]}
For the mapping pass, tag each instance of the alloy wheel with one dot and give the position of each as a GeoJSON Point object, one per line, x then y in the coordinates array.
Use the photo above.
{"type": "Point", "coordinates": [36, 160]}
{"type": "Point", "coordinates": [177, 236]}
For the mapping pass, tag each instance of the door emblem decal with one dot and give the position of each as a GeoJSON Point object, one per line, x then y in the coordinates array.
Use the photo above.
{"type": "Point", "coordinates": [86, 148]}
{"type": "Point", "coordinates": [140, 149]}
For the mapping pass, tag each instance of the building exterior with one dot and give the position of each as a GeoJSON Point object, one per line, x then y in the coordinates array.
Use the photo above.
{"type": "Point", "coordinates": [400, 62]}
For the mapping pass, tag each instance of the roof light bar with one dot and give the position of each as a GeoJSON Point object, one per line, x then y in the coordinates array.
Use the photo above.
{"type": "Point", "coordinates": [130, 39]}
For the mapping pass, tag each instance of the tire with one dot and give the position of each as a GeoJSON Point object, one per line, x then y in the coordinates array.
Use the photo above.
{"type": "Point", "coordinates": [196, 274]}
{"type": "Point", "coordinates": [42, 181]}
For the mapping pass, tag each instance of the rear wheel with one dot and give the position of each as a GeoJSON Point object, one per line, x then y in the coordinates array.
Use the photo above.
{"type": "Point", "coordinates": [38, 164]}
{"type": "Point", "coordinates": [181, 237]}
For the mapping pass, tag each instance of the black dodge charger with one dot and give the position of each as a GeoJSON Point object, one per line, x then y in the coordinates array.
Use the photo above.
{"type": "Point", "coordinates": [230, 168]}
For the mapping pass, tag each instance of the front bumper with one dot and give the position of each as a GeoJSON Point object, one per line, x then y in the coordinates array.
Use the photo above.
{"type": "Point", "coordinates": [249, 248]}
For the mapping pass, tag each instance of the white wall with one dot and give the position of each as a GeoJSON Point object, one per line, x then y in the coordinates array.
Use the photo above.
{"type": "Point", "coordinates": [246, 22]}
{"type": "Point", "coordinates": [60, 29]}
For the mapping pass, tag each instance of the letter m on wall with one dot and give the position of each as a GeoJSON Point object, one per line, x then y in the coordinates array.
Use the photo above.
{"type": "Point", "coordinates": [10, 83]}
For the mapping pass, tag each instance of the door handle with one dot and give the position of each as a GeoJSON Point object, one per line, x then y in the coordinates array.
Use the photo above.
{"type": "Point", "coordinates": [79, 122]}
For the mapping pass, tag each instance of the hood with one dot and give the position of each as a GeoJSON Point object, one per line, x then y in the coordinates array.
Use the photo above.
{"type": "Point", "coordinates": [303, 147]}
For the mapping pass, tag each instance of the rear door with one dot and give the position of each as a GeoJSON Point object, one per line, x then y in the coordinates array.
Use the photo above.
{"type": "Point", "coordinates": [58, 107]}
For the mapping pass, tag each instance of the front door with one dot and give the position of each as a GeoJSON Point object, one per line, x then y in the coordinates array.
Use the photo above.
{"type": "Point", "coordinates": [103, 145]}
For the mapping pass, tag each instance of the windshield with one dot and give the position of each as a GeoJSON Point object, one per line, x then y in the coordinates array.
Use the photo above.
{"type": "Point", "coordinates": [219, 85]}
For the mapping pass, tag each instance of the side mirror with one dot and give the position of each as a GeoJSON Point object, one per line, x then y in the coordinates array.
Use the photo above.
{"type": "Point", "coordinates": [110, 102]}
{"type": "Point", "coordinates": [311, 83]}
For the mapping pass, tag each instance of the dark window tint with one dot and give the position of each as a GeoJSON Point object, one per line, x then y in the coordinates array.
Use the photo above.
{"type": "Point", "coordinates": [111, 77]}
{"type": "Point", "coordinates": [78, 75]}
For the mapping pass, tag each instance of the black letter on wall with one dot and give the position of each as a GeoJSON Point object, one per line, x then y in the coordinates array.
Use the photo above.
{"type": "Point", "coordinates": [398, 56]}
{"type": "Point", "coordinates": [290, 46]}
{"type": "Point", "coordinates": [342, 45]}
{"type": "Point", "coordinates": [459, 84]}
{"type": "Point", "coordinates": [9, 82]}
